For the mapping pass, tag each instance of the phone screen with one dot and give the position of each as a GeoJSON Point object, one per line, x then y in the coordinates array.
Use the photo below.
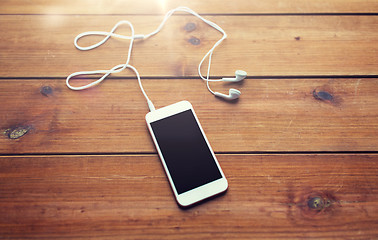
{"type": "Point", "coordinates": [185, 151]}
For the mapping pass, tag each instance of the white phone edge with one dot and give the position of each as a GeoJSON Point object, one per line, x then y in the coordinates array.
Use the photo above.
{"type": "Point", "coordinates": [197, 194]}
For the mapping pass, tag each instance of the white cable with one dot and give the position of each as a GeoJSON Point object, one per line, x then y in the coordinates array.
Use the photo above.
{"type": "Point", "coordinates": [106, 73]}
{"type": "Point", "coordinates": [132, 37]}
{"type": "Point", "coordinates": [115, 69]}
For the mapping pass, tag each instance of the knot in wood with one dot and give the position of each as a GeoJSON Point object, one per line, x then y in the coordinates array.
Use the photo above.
{"type": "Point", "coordinates": [194, 41]}
{"type": "Point", "coordinates": [189, 27]}
{"type": "Point", "coordinates": [322, 95]}
{"type": "Point", "coordinates": [46, 90]}
{"type": "Point", "coordinates": [319, 203]}
{"type": "Point", "coordinates": [17, 132]}
{"type": "Point", "coordinates": [316, 203]}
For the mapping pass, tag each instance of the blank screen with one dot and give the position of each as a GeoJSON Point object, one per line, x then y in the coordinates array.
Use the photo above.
{"type": "Point", "coordinates": [185, 151]}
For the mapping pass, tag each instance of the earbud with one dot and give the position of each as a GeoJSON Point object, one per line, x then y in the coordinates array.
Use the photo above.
{"type": "Point", "coordinates": [232, 94]}
{"type": "Point", "coordinates": [239, 75]}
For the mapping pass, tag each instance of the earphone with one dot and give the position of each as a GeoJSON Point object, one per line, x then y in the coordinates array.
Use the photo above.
{"type": "Point", "coordinates": [232, 94]}
{"type": "Point", "coordinates": [239, 74]}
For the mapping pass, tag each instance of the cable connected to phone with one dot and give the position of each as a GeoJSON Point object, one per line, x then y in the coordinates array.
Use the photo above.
{"type": "Point", "coordinates": [132, 37]}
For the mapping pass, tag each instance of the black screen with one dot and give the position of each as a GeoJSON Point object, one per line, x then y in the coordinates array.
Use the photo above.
{"type": "Point", "coordinates": [185, 151]}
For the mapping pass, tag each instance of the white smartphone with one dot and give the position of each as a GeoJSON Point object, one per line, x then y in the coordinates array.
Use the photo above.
{"type": "Point", "coordinates": [188, 160]}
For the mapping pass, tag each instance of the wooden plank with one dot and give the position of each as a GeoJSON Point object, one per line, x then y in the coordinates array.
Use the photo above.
{"type": "Point", "coordinates": [210, 6]}
{"type": "Point", "coordinates": [42, 46]}
{"type": "Point", "coordinates": [44, 116]}
{"type": "Point", "coordinates": [111, 197]}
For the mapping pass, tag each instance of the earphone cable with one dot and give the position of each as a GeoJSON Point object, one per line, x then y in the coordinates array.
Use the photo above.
{"type": "Point", "coordinates": [115, 69]}
{"type": "Point", "coordinates": [132, 37]}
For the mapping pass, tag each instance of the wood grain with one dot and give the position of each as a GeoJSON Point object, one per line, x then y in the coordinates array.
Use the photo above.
{"type": "Point", "coordinates": [81, 165]}
{"type": "Point", "coordinates": [42, 45]}
{"type": "Point", "coordinates": [118, 197]}
{"type": "Point", "coordinates": [162, 6]}
{"type": "Point", "coordinates": [44, 116]}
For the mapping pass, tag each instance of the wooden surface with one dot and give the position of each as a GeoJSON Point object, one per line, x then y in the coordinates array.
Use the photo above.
{"type": "Point", "coordinates": [299, 148]}
{"type": "Point", "coordinates": [271, 115]}
{"type": "Point", "coordinates": [128, 196]}
{"type": "Point", "coordinates": [267, 46]}
{"type": "Point", "coordinates": [211, 6]}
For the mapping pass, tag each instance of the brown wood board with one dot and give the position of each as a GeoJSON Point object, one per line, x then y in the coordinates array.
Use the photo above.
{"type": "Point", "coordinates": [209, 6]}
{"type": "Point", "coordinates": [44, 116]}
{"type": "Point", "coordinates": [126, 196]}
{"type": "Point", "coordinates": [42, 45]}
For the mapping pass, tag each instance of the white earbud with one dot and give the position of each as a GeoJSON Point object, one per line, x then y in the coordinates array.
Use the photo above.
{"type": "Point", "coordinates": [239, 75]}
{"type": "Point", "coordinates": [232, 94]}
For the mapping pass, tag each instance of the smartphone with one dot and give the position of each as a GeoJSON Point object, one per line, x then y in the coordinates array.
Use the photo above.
{"type": "Point", "coordinates": [188, 160]}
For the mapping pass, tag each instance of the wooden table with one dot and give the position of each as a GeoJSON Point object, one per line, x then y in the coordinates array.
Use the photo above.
{"type": "Point", "coordinates": [299, 148]}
